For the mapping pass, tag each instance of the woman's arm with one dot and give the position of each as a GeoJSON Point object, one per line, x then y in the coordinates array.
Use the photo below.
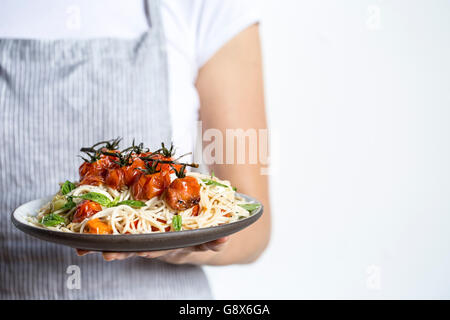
{"type": "Point", "coordinates": [231, 92]}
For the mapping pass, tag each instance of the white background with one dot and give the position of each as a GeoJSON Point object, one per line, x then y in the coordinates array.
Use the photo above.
{"type": "Point", "coordinates": [358, 98]}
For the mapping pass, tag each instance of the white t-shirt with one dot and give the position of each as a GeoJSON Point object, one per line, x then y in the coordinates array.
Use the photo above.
{"type": "Point", "coordinates": [195, 30]}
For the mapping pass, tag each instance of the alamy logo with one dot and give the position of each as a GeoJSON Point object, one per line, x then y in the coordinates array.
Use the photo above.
{"type": "Point", "coordinates": [73, 21]}
{"type": "Point", "coordinates": [233, 146]}
{"type": "Point", "coordinates": [373, 21]}
{"type": "Point", "coordinates": [74, 279]}
{"type": "Point", "coordinates": [373, 280]}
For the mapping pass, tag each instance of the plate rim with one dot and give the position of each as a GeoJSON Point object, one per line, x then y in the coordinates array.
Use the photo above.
{"type": "Point", "coordinates": [255, 215]}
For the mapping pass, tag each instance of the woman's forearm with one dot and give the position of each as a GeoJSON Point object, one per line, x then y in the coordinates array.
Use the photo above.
{"type": "Point", "coordinates": [231, 94]}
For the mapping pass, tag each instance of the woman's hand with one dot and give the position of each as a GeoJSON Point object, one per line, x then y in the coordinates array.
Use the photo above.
{"type": "Point", "coordinates": [193, 255]}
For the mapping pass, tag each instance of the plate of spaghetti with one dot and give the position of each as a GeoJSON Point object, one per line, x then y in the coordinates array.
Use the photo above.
{"type": "Point", "coordinates": [134, 199]}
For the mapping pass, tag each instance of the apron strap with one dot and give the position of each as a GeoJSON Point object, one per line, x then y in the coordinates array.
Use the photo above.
{"type": "Point", "coordinates": [147, 13]}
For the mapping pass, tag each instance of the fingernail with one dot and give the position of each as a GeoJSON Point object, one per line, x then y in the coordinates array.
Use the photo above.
{"type": "Point", "coordinates": [106, 257]}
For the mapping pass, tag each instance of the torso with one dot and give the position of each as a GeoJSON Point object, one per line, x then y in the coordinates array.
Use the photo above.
{"type": "Point", "coordinates": [59, 95]}
{"type": "Point", "coordinates": [120, 20]}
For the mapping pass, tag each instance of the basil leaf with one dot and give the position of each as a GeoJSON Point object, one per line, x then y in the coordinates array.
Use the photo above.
{"type": "Point", "coordinates": [132, 203]}
{"type": "Point", "coordinates": [52, 220]}
{"type": "Point", "coordinates": [114, 203]}
{"type": "Point", "coordinates": [176, 223]}
{"type": "Point", "coordinates": [67, 187]}
{"type": "Point", "coordinates": [96, 197]}
{"type": "Point", "coordinates": [209, 182]}
{"type": "Point", "coordinates": [250, 206]}
{"type": "Point", "coordinates": [69, 204]}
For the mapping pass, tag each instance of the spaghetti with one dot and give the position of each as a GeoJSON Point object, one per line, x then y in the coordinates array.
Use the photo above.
{"type": "Point", "coordinates": [160, 196]}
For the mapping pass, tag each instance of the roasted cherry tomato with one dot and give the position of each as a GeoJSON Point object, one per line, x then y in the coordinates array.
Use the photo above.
{"type": "Point", "coordinates": [86, 209]}
{"type": "Point", "coordinates": [94, 173]}
{"type": "Point", "coordinates": [195, 210]}
{"type": "Point", "coordinates": [118, 177]}
{"type": "Point", "coordinates": [107, 161]}
{"type": "Point", "coordinates": [98, 227]}
{"type": "Point", "coordinates": [92, 180]}
{"type": "Point", "coordinates": [115, 178]}
{"type": "Point", "coordinates": [150, 185]}
{"type": "Point", "coordinates": [132, 172]}
{"type": "Point", "coordinates": [164, 166]}
{"type": "Point", "coordinates": [183, 193]}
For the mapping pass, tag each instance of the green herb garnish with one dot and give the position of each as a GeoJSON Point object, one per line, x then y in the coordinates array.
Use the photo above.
{"type": "Point", "coordinates": [69, 204]}
{"type": "Point", "coordinates": [104, 200]}
{"type": "Point", "coordinates": [176, 222]}
{"type": "Point", "coordinates": [52, 220]}
{"type": "Point", "coordinates": [67, 187]}
{"type": "Point", "coordinates": [96, 197]}
{"type": "Point", "coordinates": [131, 203]}
{"type": "Point", "coordinates": [114, 202]}
{"type": "Point", "coordinates": [250, 206]}
{"type": "Point", "coordinates": [209, 182]}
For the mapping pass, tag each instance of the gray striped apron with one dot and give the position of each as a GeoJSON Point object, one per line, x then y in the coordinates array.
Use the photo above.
{"type": "Point", "coordinates": [56, 96]}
